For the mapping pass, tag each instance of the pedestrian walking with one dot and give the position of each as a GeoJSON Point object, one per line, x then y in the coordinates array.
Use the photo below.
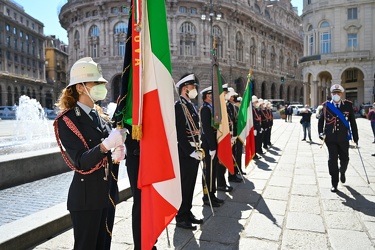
{"type": "Point", "coordinates": [189, 151]}
{"type": "Point", "coordinates": [371, 117]}
{"type": "Point", "coordinates": [336, 126]}
{"type": "Point", "coordinates": [306, 122]}
{"type": "Point", "coordinates": [86, 134]}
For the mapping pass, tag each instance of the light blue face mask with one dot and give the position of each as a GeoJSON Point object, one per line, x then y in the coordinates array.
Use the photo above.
{"type": "Point", "coordinates": [336, 98]}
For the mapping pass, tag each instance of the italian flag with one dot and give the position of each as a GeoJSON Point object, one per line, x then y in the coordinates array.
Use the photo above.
{"type": "Point", "coordinates": [159, 170]}
{"type": "Point", "coordinates": [224, 145]}
{"type": "Point", "coordinates": [245, 126]}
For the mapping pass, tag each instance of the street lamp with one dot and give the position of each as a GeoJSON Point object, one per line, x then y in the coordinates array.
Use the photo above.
{"type": "Point", "coordinates": [212, 14]}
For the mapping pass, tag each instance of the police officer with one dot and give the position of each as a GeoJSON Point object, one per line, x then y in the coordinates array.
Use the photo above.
{"type": "Point", "coordinates": [336, 127]}
{"type": "Point", "coordinates": [265, 123]}
{"type": "Point", "coordinates": [189, 152]}
{"type": "Point", "coordinates": [232, 110]}
{"type": "Point", "coordinates": [257, 123]}
{"type": "Point", "coordinates": [86, 134]}
{"type": "Point", "coordinates": [209, 145]}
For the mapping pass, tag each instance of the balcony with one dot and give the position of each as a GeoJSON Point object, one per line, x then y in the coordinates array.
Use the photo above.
{"type": "Point", "coordinates": [338, 56]}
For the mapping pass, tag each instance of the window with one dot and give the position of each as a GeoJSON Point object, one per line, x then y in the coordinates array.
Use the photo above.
{"type": "Point", "coordinates": [8, 41]}
{"type": "Point", "coordinates": [121, 27]}
{"type": "Point", "coordinates": [15, 30]}
{"type": "Point", "coordinates": [15, 43]}
{"type": "Point", "coordinates": [95, 13]}
{"type": "Point", "coordinates": [125, 9]}
{"type": "Point", "coordinates": [7, 26]}
{"type": "Point", "coordinates": [351, 75]}
{"type": "Point", "coordinates": [310, 51]}
{"type": "Point", "coordinates": [114, 10]}
{"type": "Point", "coordinates": [193, 11]}
{"type": "Point", "coordinates": [182, 9]}
{"type": "Point", "coordinates": [309, 1]}
{"type": "Point", "coordinates": [188, 36]}
{"type": "Point", "coordinates": [352, 14]}
{"type": "Point", "coordinates": [88, 14]}
{"type": "Point", "coordinates": [257, 8]}
{"type": "Point", "coordinates": [21, 34]}
{"type": "Point", "coordinates": [325, 43]}
{"type": "Point", "coordinates": [352, 41]}
{"type": "Point", "coordinates": [94, 31]}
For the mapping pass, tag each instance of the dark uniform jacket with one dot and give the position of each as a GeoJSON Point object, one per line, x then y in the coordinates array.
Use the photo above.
{"type": "Point", "coordinates": [257, 119]}
{"type": "Point", "coordinates": [87, 191]}
{"type": "Point", "coordinates": [187, 134]}
{"type": "Point", "coordinates": [232, 110]}
{"type": "Point", "coordinates": [265, 118]}
{"type": "Point", "coordinates": [333, 127]}
{"type": "Point", "coordinates": [209, 132]}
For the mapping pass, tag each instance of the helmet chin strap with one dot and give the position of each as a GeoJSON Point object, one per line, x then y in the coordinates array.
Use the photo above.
{"type": "Point", "coordinates": [88, 93]}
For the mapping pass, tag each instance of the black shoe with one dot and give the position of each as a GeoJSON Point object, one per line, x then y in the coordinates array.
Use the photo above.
{"type": "Point", "coordinates": [214, 203]}
{"type": "Point", "coordinates": [342, 178]}
{"type": "Point", "coordinates": [243, 173]}
{"type": "Point", "coordinates": [303, 139]}
{"type": "Point", "coordinates": [333, 189]}
{"type": "Point", "coordinates": [373, 155]}
{"type": "Point", "coordinates": [256, 157]}
{"type": "Point", "coordinates": [310, 140]}
{"type": "Point", "coordinates": [194, 220]}
{"type": "Point", "coordinates": [186, 225]}
{"type": "Point", "coordinates": [225, 189]}
{"type": "Point", "coordinates": [235, 179]}
{"type": "Point", "coordinates": [217, 200]}
{"type": "Point", "coordinates": [265, 147]}
{"type": "Point", "coordinates": [261, 153]}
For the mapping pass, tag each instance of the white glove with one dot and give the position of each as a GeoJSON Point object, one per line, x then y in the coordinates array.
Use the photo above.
{"type": "Point", "coordinates": [255, 133]}
{"type": "Point", "coordinates": [116, 138]}
{"type": "Point", "coordinates": [212, 153]}
{"type": "Point", "coordinates": [261, 130]}
{"type": "Point", "coordinates": [118, 154]}
{"type": "Point", "coordinates": [197, 154]}
{"type": "Point", "coordinates": [233, 140]}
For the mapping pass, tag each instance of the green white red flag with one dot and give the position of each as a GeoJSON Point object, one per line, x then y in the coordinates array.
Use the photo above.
{"type": "Point", "coordinates": [245, 125]}
{"type": "Point", "coordinates": [159, 171]}
{"type": "Point", "coordinates": [224, 145]}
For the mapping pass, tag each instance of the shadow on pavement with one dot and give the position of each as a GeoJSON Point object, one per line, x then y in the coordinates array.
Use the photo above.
{"type": "Point", "coordinates": [358, 203]}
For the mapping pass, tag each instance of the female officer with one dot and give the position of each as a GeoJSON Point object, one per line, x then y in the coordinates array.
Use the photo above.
{"type": "Point", "coordinates": [87, 138]}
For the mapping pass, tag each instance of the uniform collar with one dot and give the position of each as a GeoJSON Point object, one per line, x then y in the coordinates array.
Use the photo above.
{"type": "Point", "coordinates": [85, 108]}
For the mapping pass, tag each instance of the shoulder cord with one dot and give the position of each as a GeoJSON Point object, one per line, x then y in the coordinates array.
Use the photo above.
{"type": "Point", "coordinates": [257, 116]}
{"type": "Point", "coordinates": [190, 118]}
{"type": "Point", "coordinates": [75, 130]}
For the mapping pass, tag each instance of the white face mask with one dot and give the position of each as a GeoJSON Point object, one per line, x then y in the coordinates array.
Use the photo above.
{"type": "Point", "coordinates": [336, 98]}
{"type": "Point", "coordinates": [97, 92]}
{"type": "Point", "coordinates": [192, 93]}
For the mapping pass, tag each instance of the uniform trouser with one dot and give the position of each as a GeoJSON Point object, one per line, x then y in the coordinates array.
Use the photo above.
{"type": "Point", "coordinates": [209, 172]}
{"type": "Point", "coordinates": [132, 166]}
{"type": "Point", "coordinates": [237, 154]}
{"type": "Point", "coordinates": [258, 142]}
{"type": "Point", "coordinates": [268, 137]}
{"type": "Point", "coordinates": [266, 134]}
{"type": "Point", "coordinates": [188, 173]}
{"type": "Point", "coordinates": [220, 171]}
{"type": "Point", "coordinates": [337, 150]}
{"type": "Point", "coordinates": [306, 126]}
{"type": "Point", "coordinates": [89, 229]}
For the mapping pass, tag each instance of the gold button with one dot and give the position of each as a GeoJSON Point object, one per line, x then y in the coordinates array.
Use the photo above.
{"type": "Point", "coordinates": [82, 179]}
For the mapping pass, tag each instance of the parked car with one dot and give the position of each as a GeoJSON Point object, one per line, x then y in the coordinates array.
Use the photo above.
{"type": "Point", "coordinates": [365, 109]}
{"type": "Point", "coordinates": [50, 114]}
{"type": "Point", "coordinates": [296, 108]}
{"type": "Point", "coordinates": [7, 112]}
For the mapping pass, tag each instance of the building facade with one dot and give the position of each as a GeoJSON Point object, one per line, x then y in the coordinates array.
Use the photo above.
{"type": "Point", "coordinates": [264, 36]}
{"type": "Point", "coordinates": [339, 48]}
{"type": "Point", "coordinates": [56, 64]}
{"type": "Point", "coordinates": [22, 70]}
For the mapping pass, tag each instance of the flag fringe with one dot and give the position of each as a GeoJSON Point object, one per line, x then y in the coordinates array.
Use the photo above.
{"type": "Point", "coordinates": [137, 132]}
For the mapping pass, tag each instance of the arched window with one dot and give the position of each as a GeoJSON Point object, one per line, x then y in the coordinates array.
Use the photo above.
{"type": "Point", "coordinates": [239, 47]}
{"type": "Point", "coordinates": [252, 52]}
{"type": "Point", "coordinates": [94, 41]}
{"type": "Point", "coordinates": [120, 32]}
{"type": "Point", "coordinates": [310, 41]}
{"type": "Point", "coordinates": [325, 38]}
{"type": "Point", "coordinates": [217, 33]}
{"type": "Point", "coordinates": [256, 8]}
{"type": "Point", "coordinates": [267, 14]}
{"type": "Point", "coordinates": [188, 37]}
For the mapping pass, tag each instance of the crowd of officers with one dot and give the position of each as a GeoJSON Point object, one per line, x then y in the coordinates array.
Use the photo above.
{"type": "Point", "coordinates": [197, 144]}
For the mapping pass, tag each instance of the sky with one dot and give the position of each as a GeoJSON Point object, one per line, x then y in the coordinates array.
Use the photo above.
{"type": "Point", "coordinates": [46, 11]}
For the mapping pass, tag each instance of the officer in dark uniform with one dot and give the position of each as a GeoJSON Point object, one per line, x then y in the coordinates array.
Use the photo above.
{"type": "Point", "coordinates": [270, 123]}
{"type": "Point", "coordinates": [232, 110]}
{"type": "Point", "coordinates": [265, 122]}
{"type": "Point", "coordinates": [189, 151]}
{"type": "Point", "coordinates": [209, 145]}
{"type": "Point", "coordinates": [336, 127]}
{"type": "Point", "coordinates": [257, 123]}
{"type": "Point", "coordinates": [86, 134]}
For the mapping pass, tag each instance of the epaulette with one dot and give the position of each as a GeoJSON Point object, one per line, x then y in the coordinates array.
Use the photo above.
{"type": "Point", "coordinates": [348, 101]}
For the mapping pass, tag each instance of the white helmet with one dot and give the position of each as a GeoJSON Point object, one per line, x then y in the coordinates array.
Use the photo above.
{"type": "Point", "coordinates": [86, 70]}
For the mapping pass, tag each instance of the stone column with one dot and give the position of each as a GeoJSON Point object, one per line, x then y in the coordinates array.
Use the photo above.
{"type": "Point", "coordinates": [368, 88]}
{"type": "Point", "coordinates": [313, 93]}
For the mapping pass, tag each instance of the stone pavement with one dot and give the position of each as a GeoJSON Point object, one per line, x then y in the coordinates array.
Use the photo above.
{"type": "Point", "coordinates": [285, 202]}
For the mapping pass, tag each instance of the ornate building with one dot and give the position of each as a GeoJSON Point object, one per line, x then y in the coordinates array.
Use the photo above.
{"type": "Point", "coordinates": [339, 47]}
{"type": "Point", "coordinates": [263, 36]}
{"type": "Point", "coordinates": [22, 69]}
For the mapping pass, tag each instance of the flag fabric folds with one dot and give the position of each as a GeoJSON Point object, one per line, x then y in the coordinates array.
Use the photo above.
{"type": "Point", "coordinates": [245, 126]}
{"type": "Point", "coordinates": [159, 171]}
{"type": "Point", "coordinates": [224, 145]}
